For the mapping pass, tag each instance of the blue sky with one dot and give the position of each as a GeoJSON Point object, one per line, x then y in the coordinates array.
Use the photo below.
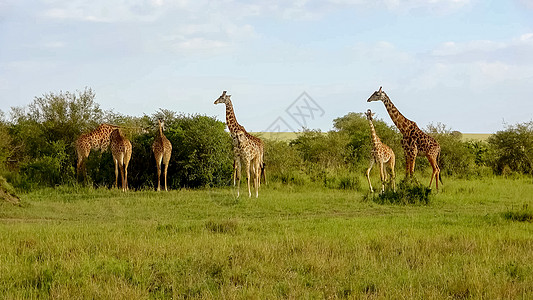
{"type": "Point", "coordinates": [467, 64]}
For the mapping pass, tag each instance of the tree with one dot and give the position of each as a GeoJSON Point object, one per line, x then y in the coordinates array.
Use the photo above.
{"type": "Point", "coordinates": [512, 148]}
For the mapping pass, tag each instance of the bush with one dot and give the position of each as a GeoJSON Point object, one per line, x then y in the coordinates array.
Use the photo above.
{"type": "Point", "coordinates": [512, 149]}
{"type": "Point", "coordinates": [407, 193]}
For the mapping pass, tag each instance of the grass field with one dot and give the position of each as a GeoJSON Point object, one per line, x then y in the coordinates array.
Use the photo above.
{"type": "Point", "coordinates": [474, 240]}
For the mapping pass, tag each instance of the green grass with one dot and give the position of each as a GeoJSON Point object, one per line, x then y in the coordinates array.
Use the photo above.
{"type": "Point", "coordinates": [292, 242]}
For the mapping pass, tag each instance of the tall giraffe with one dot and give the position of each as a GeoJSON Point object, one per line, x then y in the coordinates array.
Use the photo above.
{"type": "Point", "coordinates": [381, 154]}
{"type": "Point", "coordinates": [162, 149]}
{"type": "Point", "coordinates": [251, 154]}
{"type": "Point", "coordinates": [96, 139]}
{"type": "Point", "coordinates": [121, 150]}
{"type": "Point", "coordinates": [414, 142]}
{"type": "Point", "coordinates": [234, 126]}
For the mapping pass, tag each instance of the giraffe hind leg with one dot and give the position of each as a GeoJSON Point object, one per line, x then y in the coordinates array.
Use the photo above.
{"type": "Point", "coordinates": [368, 175]}
{"type": "Point", "coordinates": [436, 172]}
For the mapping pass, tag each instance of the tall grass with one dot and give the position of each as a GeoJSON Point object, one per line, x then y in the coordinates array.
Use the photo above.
{"type": "Point", "coordinates": [291, 242]}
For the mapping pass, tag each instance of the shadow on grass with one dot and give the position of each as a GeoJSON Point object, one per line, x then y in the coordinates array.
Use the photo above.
{"type": "Point", "coordinates": [407, 193]}
{"type": "Point", "coordinates": [523, 215]}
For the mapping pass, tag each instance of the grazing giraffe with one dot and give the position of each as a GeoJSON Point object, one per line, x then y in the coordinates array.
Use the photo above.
{"type": "Point", "coordinates": [162, 149]}
{"type": "Point", "coordinates": [414, 142]}
{"type": "Point", "coordinates": [251, 154]}
{"type": "Point", "coordinates": [96, 139]}
{"type": "Point", "coordinates": [381, 154]}
{"type": "Point", "coordinates": [234, 126]}
{"type": "Point", "coordinates": [121, 150]}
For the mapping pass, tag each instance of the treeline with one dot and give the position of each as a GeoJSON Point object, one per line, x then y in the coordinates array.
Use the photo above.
{"type": "Point", "coordinates": [37, 148]}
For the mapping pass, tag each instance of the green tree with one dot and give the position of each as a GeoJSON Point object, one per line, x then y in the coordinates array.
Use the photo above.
{"type": "Point", "coordinates": [512, 148]}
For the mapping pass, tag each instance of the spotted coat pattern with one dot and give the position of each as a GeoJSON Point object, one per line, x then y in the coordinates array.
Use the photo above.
{"type": "Point", "coordinates": [162, 149]}
{"type": "Point", "coordinates": [380, 154]}
{"type": "Point", "coordinates": [98, 139]}
{"type": "Point", "coordinates": [415, 142]}
{"type": "Point", "coordinates": [121, 150]}
{"type": "Point", "coordinates": [234, 127]}
{"type": "Point", "coordinates": [250, 153]}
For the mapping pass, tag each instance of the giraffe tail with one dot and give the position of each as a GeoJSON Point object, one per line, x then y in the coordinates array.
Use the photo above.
{"type": "Point", "coordinates": [438, 163]}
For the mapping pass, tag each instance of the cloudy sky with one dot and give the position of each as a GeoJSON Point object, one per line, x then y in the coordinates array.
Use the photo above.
{"type": "Point", "coordinates": [465, 63]}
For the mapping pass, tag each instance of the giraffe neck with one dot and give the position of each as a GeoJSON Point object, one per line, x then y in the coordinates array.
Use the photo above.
{"type": "Point", "coordinates": [399, 120]}
{"type": "Point", "coordinates": [375, 139]}
{"type": "Point", "coordinates": [160, 131]}
{"type": "Point", "coordinates": [231, 120]}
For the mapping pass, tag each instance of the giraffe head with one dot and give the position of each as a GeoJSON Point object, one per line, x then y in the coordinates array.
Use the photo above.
{"type": "Point", "coordinates": [378, 95]}
{"type": "Point", "coordinates": [369, 115]}
{"type": "Point", "coordinates": [161, 124]}
{"type": "Point", "coordinates": [224, 98]}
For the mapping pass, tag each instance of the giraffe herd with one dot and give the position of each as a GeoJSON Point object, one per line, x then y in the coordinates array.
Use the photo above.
{"type": "Point", "coordinates": [249, 149]}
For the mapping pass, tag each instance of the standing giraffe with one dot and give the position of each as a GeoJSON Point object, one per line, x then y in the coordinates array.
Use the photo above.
{"type": "Point", "coordinates": [121, 150]}
{"type": "Point", "coordinates": [251, 154]}
{"type": "Point", "coordinates": [414, 142]}
{"type": "Point", "coordinates": [381, 154]}
{"type": "Point", "coordinates": [96, 139]}
{"type": "Point", "coordinates": [162, 149]}
{"type": "Point", "coordinates": [234, 126]}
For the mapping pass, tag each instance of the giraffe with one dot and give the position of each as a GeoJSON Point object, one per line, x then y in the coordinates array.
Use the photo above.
{"type": "Point", "coordinates": [121, 150]}
{"type": "Point", "coordinates": [414, 141]}
{"type": "Point", "coordinates": [381, 154]}
{"type": "Point", "coordinates": [234, 126]}
{"type": "Point", "coordinates": [162, 149]}
{"type": "Point", "coordinates": [96, 139]}
{"type": "Point", "coordinates": [250, 153]}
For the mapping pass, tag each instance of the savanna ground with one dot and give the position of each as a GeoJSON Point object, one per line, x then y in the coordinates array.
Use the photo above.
{"type": "Point", "coordinates": [474, 240]}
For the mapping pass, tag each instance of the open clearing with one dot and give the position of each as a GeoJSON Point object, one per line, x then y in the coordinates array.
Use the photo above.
{"type": "Point", "coordinates": [292, 242]}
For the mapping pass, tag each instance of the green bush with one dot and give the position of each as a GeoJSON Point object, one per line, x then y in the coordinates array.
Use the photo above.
{"type": "Point", "coordinates": [512, 149]}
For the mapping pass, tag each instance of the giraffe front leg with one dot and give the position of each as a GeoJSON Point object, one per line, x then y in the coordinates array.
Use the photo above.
{"type": "Point", "coordinates": [248, 177]}
{"type": "Point", "coordinates": [238, 173]}
{"type": "Point", "coordinates": [382, 176]}
{"type": "Point", "coordinates": [392, 162]}
{"type": "Point", "coordinates": [368, 175]}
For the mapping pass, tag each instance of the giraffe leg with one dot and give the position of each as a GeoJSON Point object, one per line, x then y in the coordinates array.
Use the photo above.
{"type": "Point", "coordinates": [165, 175]}
{"type": "Point", "coordinates": [392, 162]}
{"type": "Point", "coordinates": [238, 175]}
{"type": "Point", "coordinates": [158, 165]}
{"type": "Point", "coordinates": [126, 164]}
{"type": "Point", "coordinates": [116, 172]}
{"type": "Point", "coordinates": [248, 177]}
{"type": "Point", "coordinates": [382, 176]}
{"type": "Point", "coordinates": [257, 173]}
{"type": "Point", "coordinates": [368, 174]}
{"type": "Point", "coordinates": [433, 162]}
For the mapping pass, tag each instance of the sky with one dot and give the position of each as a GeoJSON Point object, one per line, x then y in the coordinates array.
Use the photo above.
{"type": "Point", "coordinates": [467, 64]}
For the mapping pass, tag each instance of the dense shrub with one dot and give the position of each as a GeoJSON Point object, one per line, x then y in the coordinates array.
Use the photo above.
{"type": "Point", "coordinates": [512, 149]}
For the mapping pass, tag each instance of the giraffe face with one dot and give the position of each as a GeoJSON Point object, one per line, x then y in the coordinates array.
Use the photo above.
{"type": "Point", "coordinates": [161, 124]}
{"type": "Point", "coordinates": [369, 115]}
{"type": "Point", "coordinates": [224, 98]}
{"type": "Point", "coordinates": [378, 95]}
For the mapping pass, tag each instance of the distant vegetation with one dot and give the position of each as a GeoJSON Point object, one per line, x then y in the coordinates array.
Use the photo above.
{"type": "Point", "coordinates": [37, 148]}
